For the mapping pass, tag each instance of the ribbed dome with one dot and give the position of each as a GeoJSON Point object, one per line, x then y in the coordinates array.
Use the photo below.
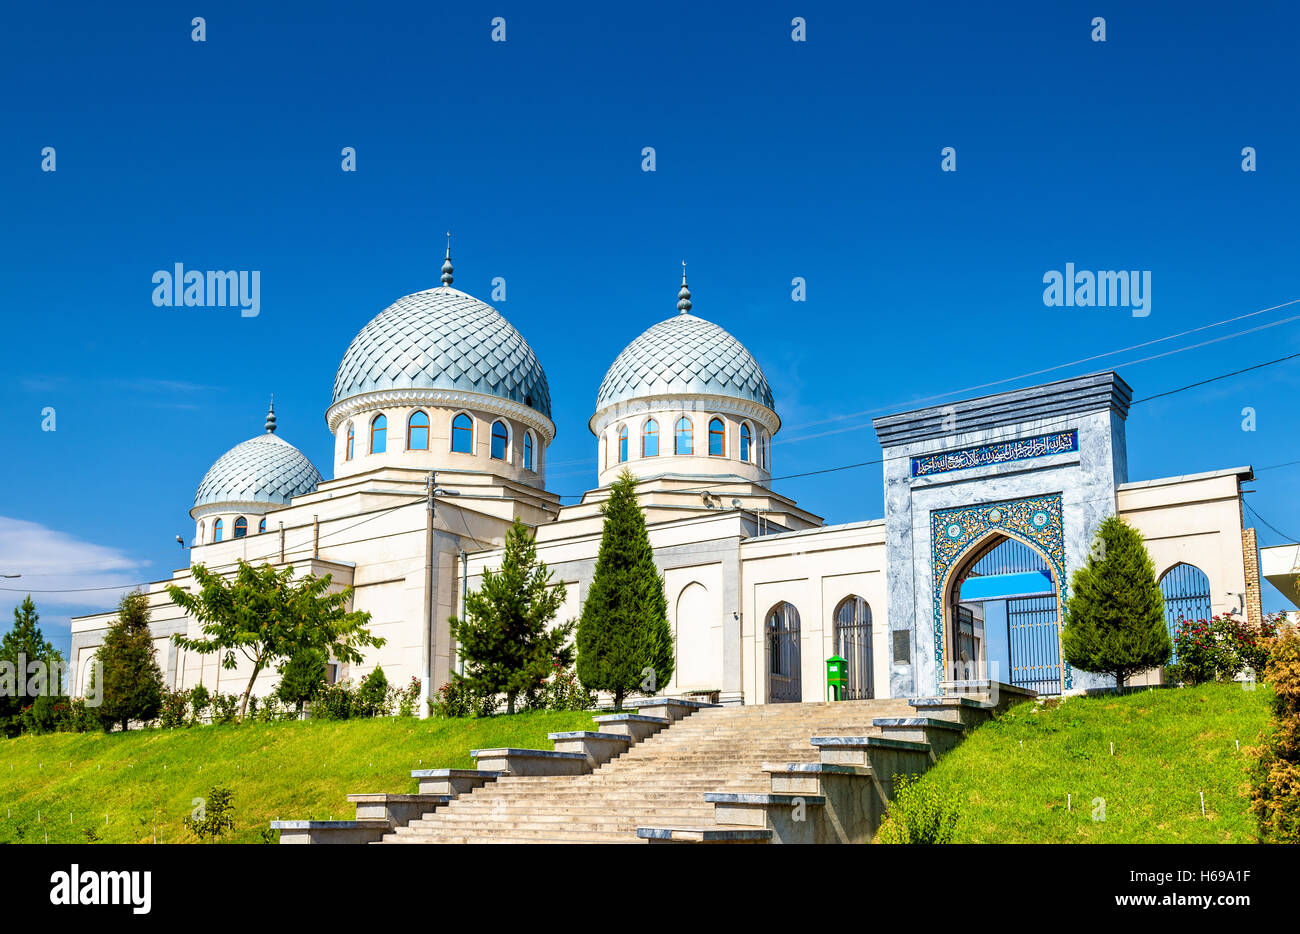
{"type": "Point", "coordinates": [264, 469]}
{"type": "Point", "coordinates": [443, 339]}
{"type": "Point", "coordinates": [685, 355]}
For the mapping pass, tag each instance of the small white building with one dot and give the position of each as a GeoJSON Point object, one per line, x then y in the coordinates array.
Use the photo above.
{"type": "Point", "coordinates": [989, 504]}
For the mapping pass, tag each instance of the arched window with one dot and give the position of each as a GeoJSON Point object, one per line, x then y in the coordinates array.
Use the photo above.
{"type": "Point", "coordinates": [717, 438]}
{"type": "Point", "coordinates": [745, 442]}
{"type": "Point", "coordinates": [500, 440]}
{"type": "Point", "coordinates": [216, 530]}
{"type": "Point", "coordinates": [528, 450]}
{"type": "Point", "coordinates": [417, 432]}
{"type": "Point", "coordinates": [1187, 597]}
{"type": "Point", "coordinates": [261, 526]}
{"type": "Point", "coordinates": [379, 435]}
{"type": "Point", "coordinates": [784, 660]}
{"type": "Point", "coordinates": [762, 449]}
{"type": "Point", "coordinates": [347, 455]}
{"type": "Point", "coordinates": [622, 444]}
{"type": "Point", "coordinates": [462, 434]}
{"type": "Point", "coordinates": [684, 443]}
{"type": "Point", "coordinates": [241, 527]}
{"type": "Point", "coordinates": [853, 644]}
{"type": "Point", "coordinates": [650, 438]}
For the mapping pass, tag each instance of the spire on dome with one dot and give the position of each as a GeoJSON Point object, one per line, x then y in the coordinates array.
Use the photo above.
{"type": "Point", "coordinates": [684, 296]}
{"type": "Point", "coordinates": [270, 417]}
{"type": "Point", "coordinates": [446, 266]}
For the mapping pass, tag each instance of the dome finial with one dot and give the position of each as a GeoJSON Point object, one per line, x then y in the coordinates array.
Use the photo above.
{"type": "Point", "coordinates": [270, 416]}
{"type": "Point", "coordinates": [684, 296]}
{"type": "Point", "coordinates": [446, 266]}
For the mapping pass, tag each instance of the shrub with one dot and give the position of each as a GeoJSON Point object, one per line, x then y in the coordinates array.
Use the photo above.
{"type": "Point", "coordinates": [174, 707]}
{"type": "Point", "coordinates": [225, 708]}
{"type": "Point", "coordinates": [1275, 775]}
{"type": "Point", "coordinates": [565, 692]}
{"type": "Point", "coordinates": [920, 813]}
{"type": "Point", "coordinates": [214, 817]}
{"type": "Point", "coordinates": [457, 698]}
{"type": "Point", "coordinates": [371, 699]}
{"type": "Point", "coordinates": [200, 698]}
{"type": "Point", "coordinates": [335, 702]}
{"type": "Point", "coordinates": [72, 717]}
{"type": "Point", "coordinates": [1220, 648]}
{"type": "Point", "coordinates": [408, 699]}
{"type": "Point", "coordinates": [1202, 653]}
{"type": "Point", "coordinates": [453, 700]}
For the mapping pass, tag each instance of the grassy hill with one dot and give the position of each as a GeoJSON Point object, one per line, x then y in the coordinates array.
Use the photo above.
{"type": "Point", "coordinates": [146, 779]}
{"type": "Point", "coordinates": [1012, 775]}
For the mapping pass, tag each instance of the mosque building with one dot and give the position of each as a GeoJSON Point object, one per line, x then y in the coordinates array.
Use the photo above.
{"type": "Point", "coordinates": [441, 417]}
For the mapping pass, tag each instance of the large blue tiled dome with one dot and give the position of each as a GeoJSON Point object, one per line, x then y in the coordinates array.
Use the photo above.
{"type": "Point", "coordinates": [264, 469]}
{"type": "Point", "coordinates": [684, 355]}
{"type": "Point", "coordinates": [443, 339]}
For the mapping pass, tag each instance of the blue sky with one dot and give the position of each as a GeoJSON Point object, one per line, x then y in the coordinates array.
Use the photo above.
{"type": "Point", "coordinates": [775, 159]}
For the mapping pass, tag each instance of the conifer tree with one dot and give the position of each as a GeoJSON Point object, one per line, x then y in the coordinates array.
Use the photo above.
{"type": "Point", "coordinates": [22, 645]}
{"type": "Point", "coordinates": [505, 637]}
{"type": "Point", "coordinates": [624, 642]}
{"type": "Point", "coordinates": [132, 688]}
{"type": "Point", "coordinates": [1115, 618]}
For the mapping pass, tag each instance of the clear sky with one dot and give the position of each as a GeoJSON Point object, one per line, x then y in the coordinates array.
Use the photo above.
{"type": "Point", "coordinates": [775, 159]}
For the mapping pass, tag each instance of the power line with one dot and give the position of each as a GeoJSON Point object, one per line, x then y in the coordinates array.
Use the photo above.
{"type": "Point", "coordinates": [1287, 538]}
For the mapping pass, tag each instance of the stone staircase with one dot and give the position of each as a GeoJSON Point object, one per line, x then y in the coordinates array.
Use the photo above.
{"type": "Point", "coordinates": [810, 772]}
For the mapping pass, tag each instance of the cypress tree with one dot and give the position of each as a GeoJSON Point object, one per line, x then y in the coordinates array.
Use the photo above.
{"type": "Point", "coordinates": [506, 639]}
{"type": "Point", "coordinates": [22, 645]}
{"type": "Point", "coordinates": [624, 642]}
{"type": "Point", "coordinates": [1115, 618]}
{"type": "Point", "coordinates": [132, 688]}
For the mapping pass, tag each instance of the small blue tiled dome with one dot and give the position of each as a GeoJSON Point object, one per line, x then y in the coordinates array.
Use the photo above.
{"type": "Point", "coordinates": [443, 339]}
{"type": "Point", "coordinates": [681, 356]}
{"type": "Point", "coordinates": [264, 469]}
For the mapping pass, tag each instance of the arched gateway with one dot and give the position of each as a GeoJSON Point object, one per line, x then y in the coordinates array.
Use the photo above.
{"type": "Point", "coordinates": [1010, 486]}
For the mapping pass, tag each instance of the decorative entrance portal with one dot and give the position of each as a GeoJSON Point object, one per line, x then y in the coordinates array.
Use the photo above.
{"type": "Point", "coordinates": [1021, 540]}
{"type": "Point", "coordinates": [1040, 466]}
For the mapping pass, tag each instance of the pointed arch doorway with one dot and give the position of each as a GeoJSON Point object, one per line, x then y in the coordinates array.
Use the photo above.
{"type": "Point", "coordinates": [999, 573]}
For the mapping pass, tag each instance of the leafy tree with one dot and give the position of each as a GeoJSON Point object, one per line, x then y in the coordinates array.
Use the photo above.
{"type": "Point", "coordinates": [133, 682]}
{"type": "Point", "coordinates": [267, 616]}
{"type": "Point", "coordinates": [22, 645]}
{"type": "Point", "coordinates": [505, 638]}
{"type": "Point", "coordinates": [214, 816]}
{"type": "Point", "coordinates": [302, 678]}
{"type": "Point", "coordinates": [1115, 618]}
{"type": "Point", "coordinates": [624, 643]}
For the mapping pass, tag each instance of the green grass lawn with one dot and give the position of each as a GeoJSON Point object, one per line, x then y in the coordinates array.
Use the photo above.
{"type": "Point", "coordinates": [146, 779]}
{"type": "Point", "coordinates": [1012, 775]}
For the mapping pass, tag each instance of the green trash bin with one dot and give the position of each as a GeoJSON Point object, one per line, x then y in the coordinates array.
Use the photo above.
{"type": "Point", "coordinates": [837, 676]}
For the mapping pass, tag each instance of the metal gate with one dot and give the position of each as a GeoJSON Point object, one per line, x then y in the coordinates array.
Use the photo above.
{"type": "Point", "coordinates": [853, 644]}
{"type": "Point", "coordinates": [1033, 643]}
{"type": "Point", "coordinates": [784, 661]}
{"type": "Point", "coordinates": [1187, 597]}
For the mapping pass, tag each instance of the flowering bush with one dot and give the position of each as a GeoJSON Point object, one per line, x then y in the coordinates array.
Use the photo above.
{"type": "Point", "coordinates": [1220, 648]}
